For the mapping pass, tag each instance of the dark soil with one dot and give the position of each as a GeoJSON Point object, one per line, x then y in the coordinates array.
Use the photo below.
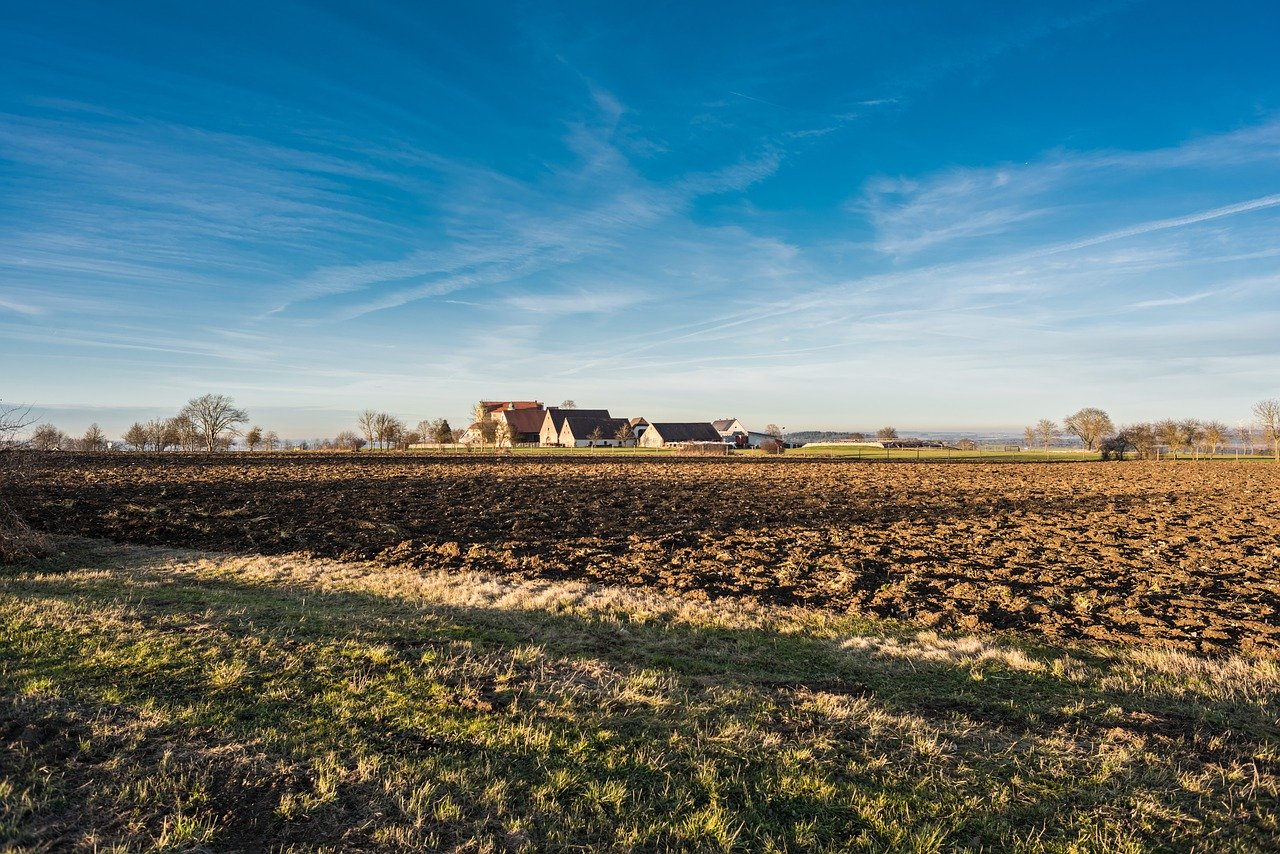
{"type": "Point", "coordinates": [1177, 553]}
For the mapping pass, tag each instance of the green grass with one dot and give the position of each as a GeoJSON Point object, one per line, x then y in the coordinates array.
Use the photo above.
{"type": "Point", "coordinates": [161, 699]}
{"type": "Point", "coordinates": [985, 455]}
{"type": "Point", "coordinates": [981, 455]}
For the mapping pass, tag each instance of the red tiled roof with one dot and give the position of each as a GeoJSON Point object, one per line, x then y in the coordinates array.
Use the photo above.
{"type": "Point", "coordinates": [500, 405]}
{"type": "Point", "coordinates": [525, 420]}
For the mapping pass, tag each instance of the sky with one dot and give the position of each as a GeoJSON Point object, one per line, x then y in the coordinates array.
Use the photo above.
{"type": "Point", "coordinates": [950, 215]}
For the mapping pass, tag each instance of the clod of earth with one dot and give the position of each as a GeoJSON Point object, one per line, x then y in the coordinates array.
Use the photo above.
{"type": "Point", "coordinates": [1174, 554]}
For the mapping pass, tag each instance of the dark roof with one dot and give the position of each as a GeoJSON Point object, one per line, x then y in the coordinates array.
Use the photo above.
{"type": "Point", "coordinates": [558, 415]}
{"type": "Point", "coordinates": [525, 420]}
{"type": "Point", "coordinates": [723, 423]}
{"type": "Point", "coordinates": [581, 427]}
{"type": "Point", "coordinates": [690, 431]}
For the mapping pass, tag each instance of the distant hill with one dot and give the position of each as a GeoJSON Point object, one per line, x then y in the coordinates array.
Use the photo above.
{"type": "Point", "coordinates": [800, 437]}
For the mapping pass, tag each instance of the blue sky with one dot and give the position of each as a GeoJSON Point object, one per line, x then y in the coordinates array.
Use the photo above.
{"type": "Point", "coordinates": [943, 215]}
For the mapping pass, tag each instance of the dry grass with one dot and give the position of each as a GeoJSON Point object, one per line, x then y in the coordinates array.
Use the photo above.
{"type": "Point", "coordinates": [17, 541]}
{"type": "Point", "coordinates": [165, 699]}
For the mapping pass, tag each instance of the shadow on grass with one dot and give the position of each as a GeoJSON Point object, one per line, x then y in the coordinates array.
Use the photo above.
{"type": "Point", "coordinates": [687, 719]}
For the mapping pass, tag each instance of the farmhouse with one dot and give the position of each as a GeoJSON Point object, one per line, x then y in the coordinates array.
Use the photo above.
{"type": "Point", "coordinates": [729, 426]}
{"type": "Point", "coordinates": [666, 434]}
{"type": "Point", "coordinates": [498, 411]}
{"type": "Point", "coordinates": [734, 432]}
{"type": "Point", "coordinates": [527, 423]}
{"type": "Point", "coordinates": [553, 422]}
{"type": "Point", "coordinates": [590, 432]}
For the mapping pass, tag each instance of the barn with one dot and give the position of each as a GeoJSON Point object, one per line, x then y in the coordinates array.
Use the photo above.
{"type": "Point", "coordinates": [669, 433]}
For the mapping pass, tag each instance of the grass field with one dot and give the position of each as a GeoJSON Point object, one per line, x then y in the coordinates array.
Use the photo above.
{"type": "Point", "coordinates": [167, 699]}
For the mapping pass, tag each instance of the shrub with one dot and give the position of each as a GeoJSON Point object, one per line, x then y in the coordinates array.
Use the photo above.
{"type": "Point", "coordinates": [703, 449]}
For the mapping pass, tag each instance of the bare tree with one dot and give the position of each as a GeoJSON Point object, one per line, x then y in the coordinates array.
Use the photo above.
{"type": "Point", "coordinates": [137, 436]}
{"type": "Point", "coordinates": [389, 429]}
{"type": "Point", "coordinates": [1169, 432]}
{"type": "Point", "coordinates": [93, 439]}
{"type": "Point", "coordinates": [1191, 433]}
{"type": "Point", "coordinates": [1029, 437]}
{"type": "Point", "coordinates": [887, 433]}
{"type": "Point", "coordinates": [508, 434]}
{"type": "Point", "coordinates": [17, 539]}
{"type": "Point", "coordinates": [368, 424]}
{"type": "Point", "coordinates": [1047, 431]}
{"type": "Point", "coordinates": [349, 440]}
{"type": "Point", "coordinates": [1214, 435]}
{"type": "Point", "coordinates": [1268, 414]}
{"type": "Point", "coordinates": [186, 433]}
{"type": "Point", "coordinates": [46, 437]}
{"type": "Point", "coordinates": [13, 419]}
{"type": "Point", "coordinates": [253, 438]}
{"type": "Point", "coordinates": [271, 440]}
{"type": "Point", "coordinates": [215, 415]}
{"type": "Point", "coordinates": [568, 404]}
{"type": "Point", "coordinates": [1244, 433]}
{"type": "Point", "coordinates": [625, 434]}
{"type": "Point", "coordinates": [161, 433]}
{"type": "Point", "coordinates": [1141, 437]}
{"type": "Point", "coordinates": [1091, 425]}
{"type": "Point", "coordinates": [1114, 447]}
{"type": "Point", "coordinates": [596, 435]}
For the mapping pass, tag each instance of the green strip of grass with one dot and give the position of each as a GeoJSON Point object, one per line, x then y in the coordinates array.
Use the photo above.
{"type": "Point", "coordinates": [162, 699]}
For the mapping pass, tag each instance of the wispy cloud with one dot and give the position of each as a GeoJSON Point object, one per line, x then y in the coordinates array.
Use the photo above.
{"type": "Point", "coordinates": [20, 307]}
{"type": "Point", "coordinates": [1187, 299]}
{"type": "Point", "coordinates": [601, 301]}
{"type": "Point", "coordinates": [1261, 203]}
{"type": "Point", "coordinates": [501, 232]}
{"type": "Point", "coordinates": [912, 215]}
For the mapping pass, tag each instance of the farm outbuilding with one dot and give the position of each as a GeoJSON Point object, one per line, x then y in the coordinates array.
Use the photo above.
{"type": "Point", "coordinates": [734, 432]}
{"type": "Point", "coordinates": [666, 434]}
{"type": "Point", "coordinates": [553, 421]}
{"type": "Point", "coordinates": [527, 423]}
{"type": "Point", "coordinates": [588, 432]}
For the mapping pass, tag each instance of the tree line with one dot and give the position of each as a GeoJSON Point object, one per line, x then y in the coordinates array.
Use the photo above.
{"type": "Point", "coordinates": [210, 422]}
{"type": "Point", "coordinates": [213, 422]}
{"type": "Point", "coordinates": [1095, 430]}
{"type": "Point", "coordinates": [387, 431]}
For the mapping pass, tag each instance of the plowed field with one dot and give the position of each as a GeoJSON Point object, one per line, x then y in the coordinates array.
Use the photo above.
{"type": "Point", "coordinates": [1181, 554]}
